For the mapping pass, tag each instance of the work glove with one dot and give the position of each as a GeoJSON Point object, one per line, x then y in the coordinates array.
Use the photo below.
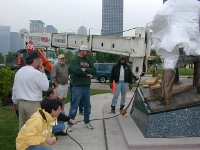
{"type": "Point", "coordinates": [130, 86]}
{"type": "Point", "coordinates": [135, 79]}
{"type": "Point", "coordinates": [111, 85]}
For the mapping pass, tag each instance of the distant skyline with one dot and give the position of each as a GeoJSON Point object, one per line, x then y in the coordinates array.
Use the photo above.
{"type": "Point", "coordinates": [71, 14]}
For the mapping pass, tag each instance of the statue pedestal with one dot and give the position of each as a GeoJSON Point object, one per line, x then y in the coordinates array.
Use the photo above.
{"type": "Point", "coordinates": [181, 119]}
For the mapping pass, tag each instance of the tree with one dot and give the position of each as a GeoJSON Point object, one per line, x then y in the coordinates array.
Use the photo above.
{"type": "Point", "coordinates": [6, 82]}
{"type": "Point", "coordinates": [1, 58]}
{"type": "Point", "coordinates": [59, 51]}
{"type": "Point", "coordinates": [68, 55]}
{"type": "Point", "coordinates": [158, 61]}
{"type": "Point", "coordinates": [9, 58]}
{"type": "Point", "coordinates": [109, 58]}
{"type": "Point", "coordinates": [92, 57]}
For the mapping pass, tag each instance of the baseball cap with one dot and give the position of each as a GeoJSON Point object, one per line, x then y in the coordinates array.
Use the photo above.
{"type": "Point", "coordinates": [122, 57]}
{"type": "Point", "coordinates": [61, 56]}
{"type": "Point", "coordinates": [32, 55]}
{"type": "Point", "coordinates": [84, 47]}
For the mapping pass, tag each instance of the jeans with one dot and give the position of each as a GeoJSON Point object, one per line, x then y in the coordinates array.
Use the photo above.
{"type": "Point", "coordinates": [38, 147]}
{"type": "Point", "coordinates": [80, 93]}
{"type": "Point", "coordinates": [80, 107]}
{"type": "Point", "coordinates": [122, 87]}
{"type": "Point", "coordinates": [80, 104]}
{"type": "Point", "coordinates": [59, 127]}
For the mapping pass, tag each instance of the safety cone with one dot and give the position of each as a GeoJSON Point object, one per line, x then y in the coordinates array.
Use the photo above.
{"type": "Point", "coordinates": [19, 60]}
{"type": "Point", "coordinates": [113, 87]}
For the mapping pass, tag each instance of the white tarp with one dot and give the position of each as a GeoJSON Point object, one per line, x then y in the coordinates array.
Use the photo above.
{"type": "Point", "coordinates": [176, 26]}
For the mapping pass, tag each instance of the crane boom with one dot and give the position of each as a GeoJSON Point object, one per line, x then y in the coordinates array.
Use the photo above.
{"type": "Point", "coordinates": [136, 47]}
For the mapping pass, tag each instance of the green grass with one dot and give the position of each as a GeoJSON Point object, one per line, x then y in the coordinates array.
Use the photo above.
{"type": "Point", "coordinates": [182, 71]}
{"type": "Point", "coordinates": [8, 128]}
{"type": "Point", "coordinates": [9, 123]}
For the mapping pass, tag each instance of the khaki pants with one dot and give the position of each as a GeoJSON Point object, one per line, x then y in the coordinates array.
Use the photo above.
{"type": "Point", "coordinates": [26, 110]}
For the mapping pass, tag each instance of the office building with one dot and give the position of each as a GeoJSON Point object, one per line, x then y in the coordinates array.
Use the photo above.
{"type": "Point", "coordinates": [82, 30]}
{"type": "Point", "coordinates": [14, 41]}
{"type": "Point", "coordinates": [50, 29]}
{"type": "Point", "coordinates": [37, 26]}
{"type": "Point", "coordinates": [112, 17]}
{"type": "Point", "coordinates": [4, 39]}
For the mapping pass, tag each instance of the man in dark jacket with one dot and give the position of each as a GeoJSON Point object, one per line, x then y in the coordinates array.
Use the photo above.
{"type": "Point", "coordinates": [60, 126]}
{"type": "Point", "coordinates": [122, 75]}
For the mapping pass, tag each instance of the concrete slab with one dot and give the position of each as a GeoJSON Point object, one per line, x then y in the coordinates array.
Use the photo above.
{"type": "Point", "coordinates": [121, 132]}
{"type": "Point", "coordinates": [137, 141]}
{"type": "Point", "coordinates": [89, 139]}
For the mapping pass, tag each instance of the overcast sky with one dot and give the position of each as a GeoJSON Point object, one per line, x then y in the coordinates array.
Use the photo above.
{"type": "Point", "coordinates": [71, 14]}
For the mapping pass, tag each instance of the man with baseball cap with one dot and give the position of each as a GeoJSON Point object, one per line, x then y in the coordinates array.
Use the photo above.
{"type": "Point", "coordinates": [28, 85]}
{"type": "Point", "coordinates": [60, 78]}
{"type": "Point", "coordinates": [82, 71]}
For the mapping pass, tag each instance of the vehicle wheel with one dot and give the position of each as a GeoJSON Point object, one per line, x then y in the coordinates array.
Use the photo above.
{"type": "Point", "coordinates": [102, 79]}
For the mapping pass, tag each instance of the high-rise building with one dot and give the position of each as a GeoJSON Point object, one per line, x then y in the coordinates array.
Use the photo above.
{"type": "Point", "coordinates": [37, 26]}
{"type": "Point", "coordinates": [82, 30]}
{"type": "Point", "coordinates": [50, 29]}
{"type": "Point", "coordinates": [4, 39]}
{"type": "Point", "coordinates": [112, 17]}
{"type": "Point", "coordinates": [14, 41]}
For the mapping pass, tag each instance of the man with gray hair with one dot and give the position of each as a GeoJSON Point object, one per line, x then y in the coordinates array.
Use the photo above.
{"type": "Point", "coordinates": [60, 78]}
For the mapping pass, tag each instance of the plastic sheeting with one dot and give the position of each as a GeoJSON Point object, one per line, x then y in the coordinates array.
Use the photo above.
{"type": "Point", "coordinates": [176, 26]}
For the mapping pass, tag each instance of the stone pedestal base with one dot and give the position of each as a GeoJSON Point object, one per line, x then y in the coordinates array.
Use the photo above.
{"type": "Point", "coordinates": [180, 121]}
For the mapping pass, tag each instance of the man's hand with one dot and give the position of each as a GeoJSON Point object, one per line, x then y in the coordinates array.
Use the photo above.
{"type": "Point", "coordinates": [83, 69]}
{"type": "Point", "coordinates": [73, 121]}
{"type": "Point", "coordinates": [56, 85]}
{"type": "Point", "coordinates": [89, 75]}
{"type": "Point", "coordinates": [41, 68]}
{"type": "Point", "coordinates": [15, 106]}
{"type": "Point", "coordinates": [111, 85]}
{"type": "Point", "coordinates": [130, 86]}
{"type": "Point", "coordinates": [50, 140]}
{"type": "Point", "coordinates": [136, 78]}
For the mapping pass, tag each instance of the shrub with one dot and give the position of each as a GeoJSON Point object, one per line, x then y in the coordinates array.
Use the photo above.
{"type": "Point", "coordinates": [6, 82]}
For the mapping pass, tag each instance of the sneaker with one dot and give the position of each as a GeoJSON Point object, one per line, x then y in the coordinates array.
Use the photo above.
{"type": "Point", "coordinates": [89, 126]}
{"type": "Point", "coordinates": [70, 129]}
{"type": "Point", "coordinates": [81, 113]}
{"type": "Point", "coordinates": [61, 133]}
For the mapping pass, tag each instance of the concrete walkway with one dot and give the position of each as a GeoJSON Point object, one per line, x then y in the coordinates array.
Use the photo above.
{"type": "Point", "coordinates": [119, 133]}
{"type": "Point", "coordinates": [89, 139]}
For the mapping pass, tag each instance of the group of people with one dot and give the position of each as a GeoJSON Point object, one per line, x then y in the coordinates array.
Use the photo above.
{"type": "Point", "coordinates": [40, 117]}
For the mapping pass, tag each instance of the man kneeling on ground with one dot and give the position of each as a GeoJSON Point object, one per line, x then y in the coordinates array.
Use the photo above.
{"type": "Point", "coordinates": [60, 126]}
{"type": "Point", "coordinates": [36, 132]}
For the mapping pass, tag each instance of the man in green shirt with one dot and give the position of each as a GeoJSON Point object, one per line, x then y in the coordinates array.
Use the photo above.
{"type": "Point", "coordinates": [82, 71]}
